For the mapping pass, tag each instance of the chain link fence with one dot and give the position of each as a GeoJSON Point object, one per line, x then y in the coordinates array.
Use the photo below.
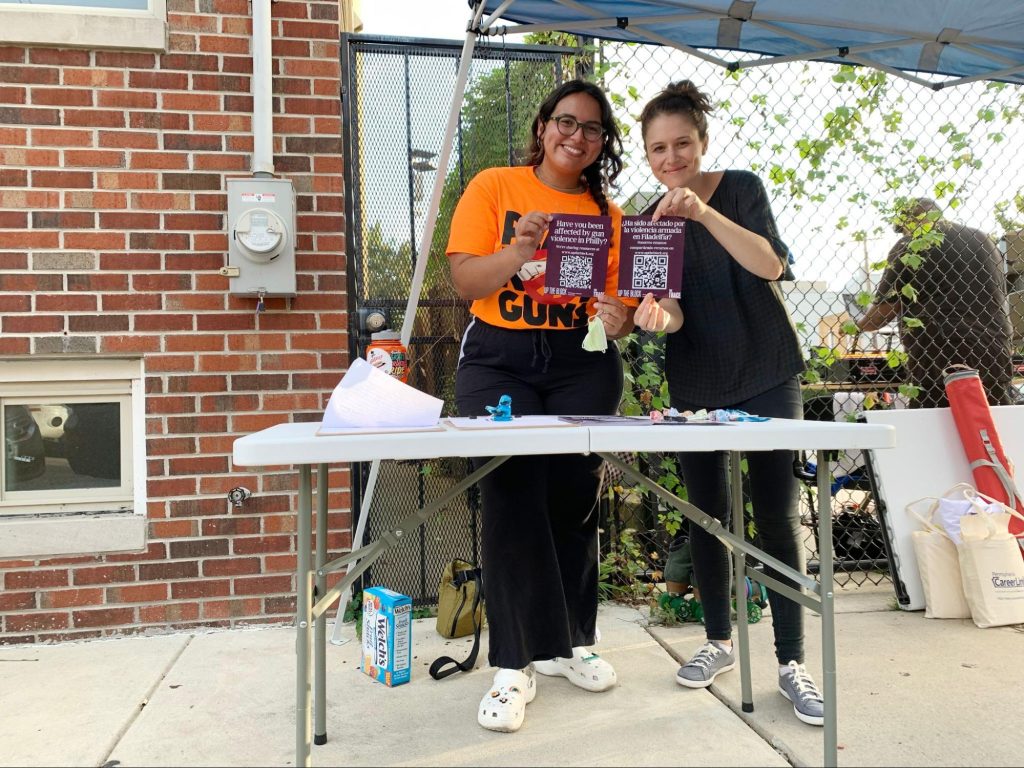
{"type": "Point", "coordinates": [841, 151]}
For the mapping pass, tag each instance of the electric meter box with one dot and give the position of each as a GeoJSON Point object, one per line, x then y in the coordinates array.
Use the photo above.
{"type": "Point", "coordinates": [261, 237]}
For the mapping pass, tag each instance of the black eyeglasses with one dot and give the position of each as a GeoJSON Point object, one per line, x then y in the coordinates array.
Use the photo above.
{"type": "Point", "coordinates": [568, 125]}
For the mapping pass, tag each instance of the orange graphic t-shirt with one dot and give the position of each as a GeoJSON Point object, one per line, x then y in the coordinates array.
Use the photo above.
{"type": "Point", "coordinates": [484, 223]}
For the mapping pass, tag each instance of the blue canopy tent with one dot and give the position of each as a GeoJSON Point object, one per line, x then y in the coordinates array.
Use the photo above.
{"type": "Point", "coordinates": [935, 43]}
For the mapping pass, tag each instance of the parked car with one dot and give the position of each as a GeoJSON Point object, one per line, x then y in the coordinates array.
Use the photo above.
{"type": "Point", "coordinates": [92, 439]}
{"type": "Point", "coordinates": [24, 452]}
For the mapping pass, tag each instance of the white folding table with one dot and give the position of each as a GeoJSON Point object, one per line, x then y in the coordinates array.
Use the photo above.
{"type": "Point", "coordinates": [297, 444]}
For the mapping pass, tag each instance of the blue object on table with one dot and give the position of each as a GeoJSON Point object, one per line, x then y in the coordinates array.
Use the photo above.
{"type": "Point", "coordinates": [502, 411]}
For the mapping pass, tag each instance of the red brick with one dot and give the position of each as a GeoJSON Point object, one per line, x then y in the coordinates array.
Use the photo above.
{"type": "Point", "coordinates": [137, 593]}
{"type": "Point", "coordinates": [196, 383]}
{"type": "Point", "coordinates": [30, 240]}
{"type": "Point", "coordinates": [227, 363]}
{"type": "Point", "coordinates": [182, 590]}
{"type": "Point", "coordinates": [239, 342]}
{"type": "Point", "coordinates": [61, 137]}
{"type": "Point", "coordinates": [28, 622]}
{"type": "Point", "coordinates": [63, 220]}
{"type": "Point", "coordinates": [264, 585]}
{"type": "Point", "coordinates": [124, 59]}
{"type": "Point", "coordinates": [30, 75]}
{"type": "Point", "coordinates": [127, 99]}
{"type": "Point", "coordinates": [93, 158]}
{"type": "Point", "coordinates": [170, 363]}
{"type": "Point", "coordinates": [246, 545]}
{"type": "Point", "coordinates": [193, 507]}
{"type": "Point", "coordinates": [29, 116]}
{"type": "Point", "coordinates": [161, 282]}
{"type": "Point", "coordinates": [104, 574]}
{"type": "Point", "coordinates": [93, 241]}
{"type": "Point", "coordinates": [103, 283]}
{"type": "Point", "coordinates": [158, 160]}
{"type": "Point", "coordinates": [181, 486]}
{"type": "Point", "coordinates": [162, 322]}
{"type": "Point", "coordinates": [127, 180]}
{"type": "Point", "coordinates": [95, 78]}
{"type": "Point", "coordinates": [223, 609]}
{"type": "Point", "coordinates": [94, 118]}
{"type": "Point", "coordinates": [129, 220]}
{"type": "Point", "coordinates": [231, 566]}
{"type": "Point", "coordinates": [17, 601]}
{"type": "Point", "coordinates": [63, 57]}
{"type": "Point", "coordinates": [230, 526]}
{"type": "Point", "coordinates": [170, 404]}
{"type": "Point", "coordinates": [65, 302]}
{"type": "Point", "coordinates": [14, 580]}
{"type": "Point", "coordinates": [103, 323]}
{"type": "Point", "coordinates": [169, 613]}
{"type": "Point", "coordinates": [170, 446]}
{"type": "Point", "coordinates": [197, 302]}
{"type": "Point", "coordinates": [278, 563]}
{"type": "Point", "coordinates": [195, 343]}
{"type": "Point", "coordinates": [129, 344]}
{"type": "Point", "coordinates": [193, 424]}
{"type": "Point", "coordinates": [180, 569]}
{"type": "Point", "coordinates": [128, 139]}
{"type": "Point", "coordinates": [198, 548]}
{"type": "Point", "coordinates": [62, 97]}
{"type": "Point", "coordinates": [199, 465]}
{"type": "Point", "coordinates": [104, 617]}
{"type": "Point", "coordinates": [158, 121]}
{"type": "Point", "coordinates": [172, 529]}
{"type": "Point", "coordinates": [67, 598]}
{"type": "Point", "coordinates": [229, 403]}
{"type": "Point", "coordinates": [115, 200]}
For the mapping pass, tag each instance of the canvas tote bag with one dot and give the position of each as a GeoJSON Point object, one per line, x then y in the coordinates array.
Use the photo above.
{"type": "Point", "coordinates": [938, 564]}
{"type": "Point", "coordinates": [991, 568]}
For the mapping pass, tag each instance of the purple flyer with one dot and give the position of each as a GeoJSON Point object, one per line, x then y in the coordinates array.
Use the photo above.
{"type": "Point", "coordinates": [577, 262]}
{"type": "Point", "coordinates": [651, 257]}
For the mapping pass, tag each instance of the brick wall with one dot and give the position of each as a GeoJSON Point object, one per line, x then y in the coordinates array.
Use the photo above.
{"type": "Point", "coordinates": [112, 232]}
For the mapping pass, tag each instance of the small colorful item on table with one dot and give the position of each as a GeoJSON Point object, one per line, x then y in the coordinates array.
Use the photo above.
{"type": "Point", "coordinates": [502, 411]}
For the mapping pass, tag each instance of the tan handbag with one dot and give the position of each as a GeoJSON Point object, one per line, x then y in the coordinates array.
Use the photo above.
{"type": "Point", "coordinates": [460, 612]}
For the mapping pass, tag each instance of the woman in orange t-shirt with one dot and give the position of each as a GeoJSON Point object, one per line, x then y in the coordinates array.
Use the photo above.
{"type": "Point", "coordinates": [539, 529]}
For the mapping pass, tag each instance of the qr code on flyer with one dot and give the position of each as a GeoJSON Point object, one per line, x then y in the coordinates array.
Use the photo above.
{"type": "Point", "coordinates": [650, 272]}
{"type": "Point", "coordinates": [577, 272]}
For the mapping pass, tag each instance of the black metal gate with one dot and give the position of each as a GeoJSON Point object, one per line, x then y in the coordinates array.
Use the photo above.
{"type": "Point", "coordinates": [395, 101]}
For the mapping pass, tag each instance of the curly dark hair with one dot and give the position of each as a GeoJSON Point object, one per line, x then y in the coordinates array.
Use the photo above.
{"type": "Point", "coordinates": [606, 168]}
{"type": "Point", "coordinates": [681, 98]}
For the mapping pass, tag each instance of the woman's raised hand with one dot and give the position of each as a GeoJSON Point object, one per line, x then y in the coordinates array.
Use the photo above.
{"type": "Point", "coordinates": [530, 231]}
{"type": "Point", "coordinates": [681, 201]}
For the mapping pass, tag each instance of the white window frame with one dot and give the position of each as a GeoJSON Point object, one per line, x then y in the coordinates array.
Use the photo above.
{"type": "Point", "coordinates": [72, 26]}
{"type": "Point", "coordinates": [80, 521]}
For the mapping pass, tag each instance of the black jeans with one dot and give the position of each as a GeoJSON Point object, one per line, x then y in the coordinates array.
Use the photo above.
{"type": "Point", "coordinates": [773, 494]}
{"type": "Point", "coordinates": [540, 516]}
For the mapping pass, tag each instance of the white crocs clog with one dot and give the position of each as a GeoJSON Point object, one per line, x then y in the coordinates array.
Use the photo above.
{"type": "Point", "coordinates": [503, 708]}
{"type": "Point", "coordinates": [585, 669]}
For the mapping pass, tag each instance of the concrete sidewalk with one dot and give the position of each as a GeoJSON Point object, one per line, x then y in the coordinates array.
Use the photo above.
{"type": "Point", "coordinates": [911, 692]}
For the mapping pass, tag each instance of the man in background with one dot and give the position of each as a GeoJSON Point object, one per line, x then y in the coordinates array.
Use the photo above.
{"type": "Point", "coordinates": [945, 283]}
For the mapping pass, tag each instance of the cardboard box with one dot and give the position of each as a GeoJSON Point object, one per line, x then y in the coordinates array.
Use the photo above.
{"type": "Point", "coordinates": [387, 636]}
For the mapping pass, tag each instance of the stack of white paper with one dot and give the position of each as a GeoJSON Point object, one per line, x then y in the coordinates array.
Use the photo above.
{"type": "Point", "coordinates": [369, 400]}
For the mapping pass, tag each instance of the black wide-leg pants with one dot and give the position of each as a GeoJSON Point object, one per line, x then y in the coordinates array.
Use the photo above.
{"type": "Point", "coordinates": [540, 514]}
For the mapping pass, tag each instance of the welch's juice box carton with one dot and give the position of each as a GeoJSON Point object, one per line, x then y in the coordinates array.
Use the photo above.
{"type": "Point", "coordinates": [387, 635]}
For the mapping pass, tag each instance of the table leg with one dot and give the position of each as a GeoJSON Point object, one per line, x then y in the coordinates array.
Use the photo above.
{"type": "Point", "coordinates": [740, 566]}
{"type": "Point", "coordinates": [320, 625]}
{"type": "Point", "coordinates": [303, 614]}
{"type": "Point", "coordinates": [828, 627]}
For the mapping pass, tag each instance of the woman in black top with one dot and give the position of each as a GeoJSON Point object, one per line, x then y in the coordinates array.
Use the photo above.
{"type": "Point", "coordinates": [731, 344]}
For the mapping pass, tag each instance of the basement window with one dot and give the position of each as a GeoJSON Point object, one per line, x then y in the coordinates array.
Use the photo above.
{"type": "Point", "coordinates": [119, 24]}
{"type": "Point", "coordinates": [72, 478]}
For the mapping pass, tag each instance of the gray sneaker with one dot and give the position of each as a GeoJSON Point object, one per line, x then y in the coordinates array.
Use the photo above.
{"type": "Point", "coordinates": [705, 665]}
{"type": "Point", "coordinates": [798, 686]}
